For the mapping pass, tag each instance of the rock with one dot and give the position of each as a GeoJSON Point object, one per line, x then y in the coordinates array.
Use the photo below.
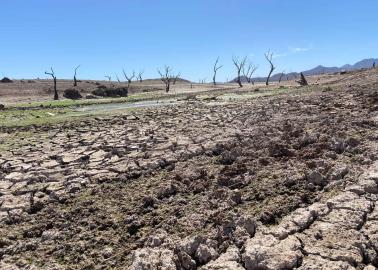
{"type": "Point", "coordinates": [230, 260]}
{"type": "Point", "coordinates": [369, 186]}
{"type": "Point", "coordinates": [186, 261]}
{"type": "Point", "coordinates": [153, 259]}
{"type": "Point", "coordinates": [338, 172]}
{"type": "Point", "coordinates": [312, 262]}
{"type": "Point", "coordinates": [189, 245]}
{"type": "Point", "coordinates": [72, 94]}
{"type": "Point", "coordinates": [315, 177]}
{"type": "Point", "coordinates": [205, 254]}
{"type": "Point", "coordinates": [297, 221]}
{"type": "Point", "coordinates": [267, 252]}
{"type": "Point", "coordinates": [167, 191]}
{"type": "Point", "coordinates": [370, 267]}
{"type": "Point", "coordinates": [107, 252]}
{"type": "Point", "coordinates": [157, 239]}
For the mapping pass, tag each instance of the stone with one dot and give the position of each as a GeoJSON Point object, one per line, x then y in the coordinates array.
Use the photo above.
{"type": "Point", "coordinates": [338, 172]}
{"type": "Point", "coordinates": [316, 178]}
{"type": "Point", "coordinates": [230, 260]}
{"type": "Point", "coordinates": [189, 245]}
{"type": "Point", "coordinates": [153, 259]}
{"type": "Point", "coordinates": [268, 252]}
{"type": "Point", "coordinates": [205, 253]}
{"type": "Point", "coordinates": [312, 262]}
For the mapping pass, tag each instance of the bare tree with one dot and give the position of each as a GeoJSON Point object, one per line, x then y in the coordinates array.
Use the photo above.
{"type": "Point", "coordinates": [140, 76]}
{"type": "Point", "coordinates": [129, 79]}
{"type": "Point", "coordinates": [282, 74]}
{"type": "Point", "coordinates": [239, 65]}
{"type": "Point", "coordinates": [108, 77]}
{"type": "Point", "coordinates": [269, 58]}
{"type": "Point", "coordinates": [118, 80]}
{"type": "Point", "coordinates": [75, 81]}
{"type": "Point", "coordinates": [216, 68]}
{"type": "Point", "coordinates": [52, 74]}
{"type": "Point", "coordinates": [248, 72]}
{"type": "Point", "coordinates": [176, 78]}
{"type": "Point", "coordinates": [166, 77]}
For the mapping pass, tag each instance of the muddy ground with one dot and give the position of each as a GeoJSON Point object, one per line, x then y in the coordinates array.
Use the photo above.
{"type": "Point", "coordinates": [286, 181]}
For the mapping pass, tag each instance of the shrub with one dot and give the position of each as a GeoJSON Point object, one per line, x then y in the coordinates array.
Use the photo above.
{"type": "Point", "coordinates": [72, 94]}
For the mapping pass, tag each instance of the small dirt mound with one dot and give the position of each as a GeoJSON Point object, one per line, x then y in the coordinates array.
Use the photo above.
{"type": "Point", "coordinates": [6, 80]}
{"type": "Point", "coordinates": [72, 94]}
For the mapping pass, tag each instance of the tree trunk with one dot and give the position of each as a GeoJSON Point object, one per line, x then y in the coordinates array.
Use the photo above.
{"type": "Point", "coordinates": [56, 97]}
{"type": "Point", "coordinates": [214, 82]}
{"type": "Point", "coordinates": [75, 81]}
{"type": "Point", "coordinates": [268, 78]}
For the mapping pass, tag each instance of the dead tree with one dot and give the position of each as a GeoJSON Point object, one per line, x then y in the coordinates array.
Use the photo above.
{"type": "Point", "coordinates": [52, 74]}
{"type": "Point", "coordinates": [239, 65]}
{"type": "Point", "coordinates": [216, 68]}
{"type": "Point", "coordinates": [140, 76]}
{"type": "Point", "coordinates": [282, 74]}
{"type": "Point", "coordinates": [248, 72]}
{"type": "Point", "coordinates": [75, 81]}
{"type": "Point", "coordinates": [167, 77]}
{"type": "Point", "coordinates": [118, 80]}
{"type": "Point", "coordinates": [108, 77]}
{"type": "Point", "coordinates": [374, 65]}
{"type": "Point", "coordinates": [176, 78]}
{"type": "Point", "coordinates": [129, 79]}
{"type": "Point", "coordinates": [302, 81]}
{"type": "Point", "coordinates": [269, 58]}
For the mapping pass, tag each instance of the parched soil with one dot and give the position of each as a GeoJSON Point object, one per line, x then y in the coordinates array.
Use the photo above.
{"type": "Point", "coordinates": [261, 183]}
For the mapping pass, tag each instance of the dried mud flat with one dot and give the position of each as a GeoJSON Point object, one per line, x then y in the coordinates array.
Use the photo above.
{"type": "Point", "coordinates": [286, 181]}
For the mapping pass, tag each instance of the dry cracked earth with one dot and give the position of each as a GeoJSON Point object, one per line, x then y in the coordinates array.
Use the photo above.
{"type": "Point", "coordinates": [287, 181]}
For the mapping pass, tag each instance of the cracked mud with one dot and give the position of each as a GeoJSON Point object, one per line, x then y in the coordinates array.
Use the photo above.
{"type": "Point", "coordinates": [287, 181]}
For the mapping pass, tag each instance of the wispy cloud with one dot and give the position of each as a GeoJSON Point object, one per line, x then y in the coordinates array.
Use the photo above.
{"type": "Point", "coordinates": [292, 50]}
{"type": "Point", "coordinates": [277, 55]}
{"type": "Point", "coordinates": [298, 49]}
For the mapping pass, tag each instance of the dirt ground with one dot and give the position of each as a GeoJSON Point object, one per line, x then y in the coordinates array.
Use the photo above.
{"type": "Point", "coordinates": [282, 181]}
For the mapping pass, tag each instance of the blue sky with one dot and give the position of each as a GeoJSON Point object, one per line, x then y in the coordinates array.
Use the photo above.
{"type": "Point", "coordinates": [106, 36]}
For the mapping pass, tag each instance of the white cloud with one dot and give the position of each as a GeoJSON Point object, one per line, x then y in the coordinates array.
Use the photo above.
{"type": "Point", "coordinates": [298, 49]}
{"type": "Point", "coordinates": [277, 55]}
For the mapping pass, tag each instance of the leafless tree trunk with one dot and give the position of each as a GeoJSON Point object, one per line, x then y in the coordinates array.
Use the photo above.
{"type": "Point", "coordinates": [216, 68]}
{"type": "Point", "coordinates": [75, 81]}
{"type": "Point", "coordinates": [140, 76]}
{"type": "Point", "coordinates": [118, 80]}
{"type": "Point", "coordinates": [282, 74]}
{"type": "Point", "coordinates": [239, 65]}
{"type": "Point", "coordinates": [269, 58]}
{"type": "Point", "coordinates": [248, 73]}
{"type": "Point", "coordinates": [302, 81]}
{"type": "Point", "coordinates": [52, 74]}
{"type": "Point", "coordinates": [129, 79]}
{"type": "Point", "coordinates": [167, 77]}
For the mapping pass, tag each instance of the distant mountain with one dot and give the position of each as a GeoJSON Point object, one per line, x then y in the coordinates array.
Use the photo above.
{"type": "Point", "coordinates": [366, 63]}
